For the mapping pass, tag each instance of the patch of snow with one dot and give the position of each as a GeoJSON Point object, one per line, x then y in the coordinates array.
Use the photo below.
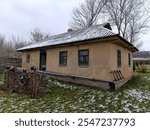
{"type": "Point", "coordinates": [61, 85]}
{"type": "Point", "coordinates": [124, 102]}
{"type": "Point", "coordinates": [126, 109]}
{"type": "Point", "coordinates": [101, 106]}
{"type": "Point", "coordinates": [1, 82]}
{"type": "Point", "coordinates": [147, 78]}
{"type": "Point", "coordinates": [92, 99]}
{"type": "Point", "coordinates": [138, 94]}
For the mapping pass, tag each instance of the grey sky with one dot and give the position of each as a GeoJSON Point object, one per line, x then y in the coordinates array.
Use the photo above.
{"type": "Point", "coordinates": [19, 17]}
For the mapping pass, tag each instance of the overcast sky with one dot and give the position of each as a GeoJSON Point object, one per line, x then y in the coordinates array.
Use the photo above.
{"type": "Point", "coordinates": [19, 17]}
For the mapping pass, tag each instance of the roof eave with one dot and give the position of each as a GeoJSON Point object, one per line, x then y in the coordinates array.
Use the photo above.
{"type": "Point", "coordinates": [134, 49]}
{"type": "Point", "coordinates": [66, 44]}
{"type": "Point", "coordinates": [131, 45]}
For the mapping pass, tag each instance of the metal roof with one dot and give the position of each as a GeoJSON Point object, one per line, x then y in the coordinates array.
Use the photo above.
{"type": "Point", "coordinates": [85, 34]}
{"type": "Point", "coordinates": [89, 33]}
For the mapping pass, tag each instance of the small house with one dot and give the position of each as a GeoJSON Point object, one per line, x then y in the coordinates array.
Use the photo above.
{"type": "Point", "coordinates": [94, 56]}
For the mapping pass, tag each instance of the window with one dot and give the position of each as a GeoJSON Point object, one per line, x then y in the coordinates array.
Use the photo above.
{"type": "Point", "coordinates": [129, 59]}
{"type": "Point", "coordinates": [63, 58]}
{"type": "Point", "coordinates": [83, 57]}
{"type": "Point", "coordinates": [118, 58]}
{"type": "Point", "coordinates": [28, 58]}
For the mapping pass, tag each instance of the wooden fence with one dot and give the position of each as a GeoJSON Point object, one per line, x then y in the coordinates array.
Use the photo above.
{"type": "Point", "coordinates": [7, 61]}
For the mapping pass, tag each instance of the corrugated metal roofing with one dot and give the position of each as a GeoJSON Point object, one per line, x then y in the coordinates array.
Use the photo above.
{"type": "Point", "coordinates": [89, 33]}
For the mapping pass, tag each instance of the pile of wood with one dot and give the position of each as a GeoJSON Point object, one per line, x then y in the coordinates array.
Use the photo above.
{"type": "Point", "coordinates": [25, 82]}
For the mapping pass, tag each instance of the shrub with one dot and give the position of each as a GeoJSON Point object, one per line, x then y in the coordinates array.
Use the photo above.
{"type": "Point", "coordinates": [144, 69]}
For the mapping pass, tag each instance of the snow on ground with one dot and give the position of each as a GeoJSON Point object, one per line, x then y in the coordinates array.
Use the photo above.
{"type": "Point", "coordinates": [147, 78]}
{"type": "Point", "coordinates": [61, 85]}
{"type": "Point", "coordinates": [138, 94]}
{"type": "Point", "coordinates": [64, 97]}
{"type": "Point", "coordinates": [127, 101]}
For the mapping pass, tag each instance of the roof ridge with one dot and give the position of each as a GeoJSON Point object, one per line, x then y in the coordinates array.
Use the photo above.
{"type": "Point", "coordinates": [100, 25]}
{"type": "Point", "coordinates": [89, 33]}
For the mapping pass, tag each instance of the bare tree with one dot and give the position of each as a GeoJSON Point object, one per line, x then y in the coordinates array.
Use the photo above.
{"type": "Point", "coordinates": [37, 35]}
{"type": "Point", "coordinates": [2, 44]}
{"type": "Point", "coordinates": [2, 40]}
{"type": "Point", "coordinates": [147, 7]}
{"type": "Point", "coordinates": [8, 48]}
{"type": "Point", "coordinates": [87, 14]}
{"type": "Point", "coordinates": [5, 49]}
{"type": "Point", "coordinates": [128, 16]}
{"type": "Point", "coordinates": [17, 42]}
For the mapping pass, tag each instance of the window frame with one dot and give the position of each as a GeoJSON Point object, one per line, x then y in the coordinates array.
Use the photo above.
{"type": "Point", "coordinates": [64, 61]}
{"type": "Point", "coordinates": [129, 59]}
{"type": "Point", "coordinates": [84, 58]}
{"type": "Point", "coordinates": [119, 59]}
{"type": "Point", "coordinates": [28, 58]}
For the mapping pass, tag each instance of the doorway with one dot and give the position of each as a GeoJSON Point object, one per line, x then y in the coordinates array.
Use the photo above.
{"type": "Point", "coordinates": [43, 59]}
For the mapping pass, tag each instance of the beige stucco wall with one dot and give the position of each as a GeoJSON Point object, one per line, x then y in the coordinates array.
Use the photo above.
{"type": "Point", "coordinates": [102, 60]}
{"type": "Point", "coordinates": [99, 65]}
{"type": "Point", "coordinates": [126, 70]}
{"type": "Point", "coordinates": [34, 59]}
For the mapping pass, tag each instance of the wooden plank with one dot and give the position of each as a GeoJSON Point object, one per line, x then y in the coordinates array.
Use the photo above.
{"type": "Point", "coordinates": [116, 73]}
{"type": "Point", "coordinates": [113, 72]}
{"type": "Point", "coordinates": [121, 74]}
{"type": "Point", "coordinates": [120, 77]}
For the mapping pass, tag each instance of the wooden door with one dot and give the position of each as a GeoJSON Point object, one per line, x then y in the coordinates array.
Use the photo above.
{"type": "Point", "coordinates": [43, 60]}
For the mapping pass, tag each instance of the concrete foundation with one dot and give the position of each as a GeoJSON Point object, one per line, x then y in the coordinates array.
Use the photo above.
{"type": "Point", "coordinates": [104, 85]}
